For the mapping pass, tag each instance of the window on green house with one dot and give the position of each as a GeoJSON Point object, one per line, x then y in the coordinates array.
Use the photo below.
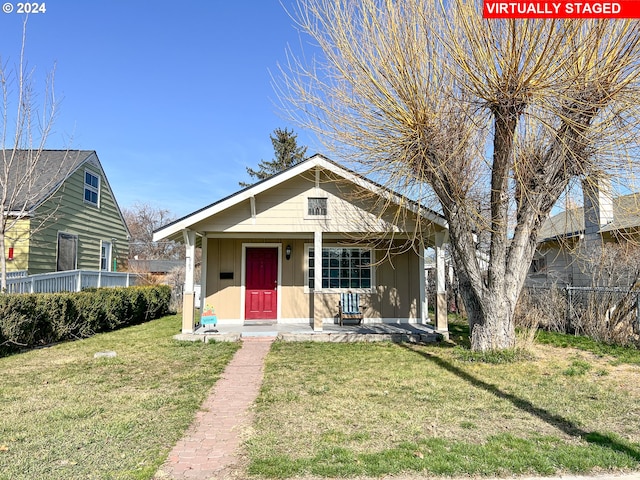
{"type": "Point", "coordinates": [91, 188]}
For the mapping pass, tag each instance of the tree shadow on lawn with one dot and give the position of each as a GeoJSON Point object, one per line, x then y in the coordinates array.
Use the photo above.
{"type": "Point", "coordinates": [561, 423]}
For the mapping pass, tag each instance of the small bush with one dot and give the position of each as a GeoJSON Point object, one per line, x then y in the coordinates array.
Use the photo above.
{"type": "Point", "coordinates": [158, 300]}
{"type": "Point", "coordinates": [56, 314]}
{"type": "Point", "coordinates": [18, 320]}
{"type": "Point", "coordinates": [541, 308]}
{"type": "Point", "coordinates": [29, 320]}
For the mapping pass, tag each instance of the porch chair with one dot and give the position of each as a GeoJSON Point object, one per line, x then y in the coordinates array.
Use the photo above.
{"type": "Point", "coordinates": [349, 307]}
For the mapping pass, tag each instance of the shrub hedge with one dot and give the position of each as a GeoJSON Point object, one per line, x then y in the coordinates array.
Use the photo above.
{"type": "Point", "coordinates": [33, 319]}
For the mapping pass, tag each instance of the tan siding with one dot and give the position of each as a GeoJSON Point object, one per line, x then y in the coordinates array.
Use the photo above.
{"type": "Point", "coordinates": [415, 270]}
{"type": "Point", "coordinates": [284, 210]}
{"type": "Point", "coordinates": [296, 304]}
{"type": "Point", "coordinates": [396, 296]}
{"type": "Point", "coordinates": [223, 295]}
{"type": "Point", "coordinates": [328, 304]}
{"type": "Point", "coordinates": [402, 282]}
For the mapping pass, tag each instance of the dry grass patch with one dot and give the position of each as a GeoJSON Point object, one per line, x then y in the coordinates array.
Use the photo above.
{"type": "Point", "coordinates": [374, 409]}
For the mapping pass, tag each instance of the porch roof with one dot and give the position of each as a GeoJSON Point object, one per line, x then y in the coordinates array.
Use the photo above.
{"type": "Point", "coordinates": [174, 230]}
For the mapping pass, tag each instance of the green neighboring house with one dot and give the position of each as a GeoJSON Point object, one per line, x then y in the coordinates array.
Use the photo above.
{"type": "Point", "coordinates": [74, 222]}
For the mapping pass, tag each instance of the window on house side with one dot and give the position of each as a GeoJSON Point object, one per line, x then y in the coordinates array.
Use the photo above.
{"type": "Point", "coordinates": [105, 256]}
{"type": "Point", "coordinates": [539, 265]}
{"type": "Point", "coordinates": [317, 206]}
{"type": "Point", "coordinates": [67, 252]}
{"type": "Point", "coordinates": [91, 188]}
{"type": "Point", "coordinates": [342, 267]}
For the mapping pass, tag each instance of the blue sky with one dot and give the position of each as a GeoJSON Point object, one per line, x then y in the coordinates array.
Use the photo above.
{"type": "Point", "coordinates": [174, 96]}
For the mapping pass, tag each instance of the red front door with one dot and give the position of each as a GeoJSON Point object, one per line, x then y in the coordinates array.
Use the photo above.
{"type": "Point", "coordinates": [261, 284]}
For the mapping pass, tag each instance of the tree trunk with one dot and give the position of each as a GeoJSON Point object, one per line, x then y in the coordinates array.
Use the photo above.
{"type": "Point", "coordinates": [3, 265]}
{"type": "Point", "coordinates": [490, 315]}
{"type": "Point", "coordinates": [492, 325]}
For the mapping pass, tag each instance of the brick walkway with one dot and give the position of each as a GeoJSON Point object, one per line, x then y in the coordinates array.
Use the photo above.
{"type": "Point", "coordinates": [210, 446]}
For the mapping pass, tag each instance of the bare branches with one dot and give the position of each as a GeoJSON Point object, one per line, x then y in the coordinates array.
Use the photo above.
{"type": "Point", "coordinates": [26, 123]}
{"type": "Point", "coordinates": [142, 219]}
{"type": "Point", "coordinates": [496, 117]}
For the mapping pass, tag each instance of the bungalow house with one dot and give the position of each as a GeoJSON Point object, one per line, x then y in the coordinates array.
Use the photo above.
{"type": "Point", "coordinates": [565, 250]}
{"type": "Point", "coordinates": [284, 249]}
{"type": "Point", "coordinates": [68, 219]}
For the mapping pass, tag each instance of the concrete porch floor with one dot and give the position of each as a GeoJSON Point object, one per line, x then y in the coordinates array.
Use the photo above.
{"type": "Point", "coordinates": [367, 332]}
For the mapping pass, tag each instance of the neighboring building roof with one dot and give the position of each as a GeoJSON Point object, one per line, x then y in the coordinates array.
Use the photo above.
{"type": "Point", "coordinates": [626, 215]}
{"type": "Point", "coordinates": [317, 160]}
{"type": "Point", "coordinates": [51, 168]}
{"type": "Point", "coordinates": [154, 266]}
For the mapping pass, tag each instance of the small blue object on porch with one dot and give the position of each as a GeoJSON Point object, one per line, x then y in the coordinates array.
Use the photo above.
{"type": "Point", "coordinates": [208, 317]}
{"type": "Point", "coordinates": [209, 320]}
{"type": "Point", "coordinates": [349, 307]}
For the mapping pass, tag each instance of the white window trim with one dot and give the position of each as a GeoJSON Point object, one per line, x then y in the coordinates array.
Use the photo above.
{"type": "Point", "coordinates": [91, 187]}
{"type": "Point", "coordinates": [306, 215]}
{"type": "Point", "coordinates": [308, 246]}
{"type": "Point", "coordinates": [109, 255]}
{"type": "Point", "coordinates": [76, 237]}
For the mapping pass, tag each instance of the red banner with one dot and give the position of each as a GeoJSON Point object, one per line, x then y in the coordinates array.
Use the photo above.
{"type": "Point", "coordinates": [561, 9]}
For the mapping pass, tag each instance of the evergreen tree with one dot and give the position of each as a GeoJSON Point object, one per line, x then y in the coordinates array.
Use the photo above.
{"type": "Point", "coordinates": [286, 154]}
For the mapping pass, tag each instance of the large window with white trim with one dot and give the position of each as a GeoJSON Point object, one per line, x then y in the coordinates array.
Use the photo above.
{"type": "Point", "coordinates": [342, 267]}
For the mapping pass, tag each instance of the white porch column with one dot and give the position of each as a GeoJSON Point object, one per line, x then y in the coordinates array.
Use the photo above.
{"type": "Point", "coordinates": [203, 273]}
{"type": "Point", "coordinates": [317, 281]}
{"type": "Point", "coordinates": [424, 301]}
{"type": "Point", "coordinates": [188, 295]}
{"type": "Point", "coordinates": [441, 323]}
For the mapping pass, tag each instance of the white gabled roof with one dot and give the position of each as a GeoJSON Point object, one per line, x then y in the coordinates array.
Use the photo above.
{"type": "Point", "coordinates": [316, 160]}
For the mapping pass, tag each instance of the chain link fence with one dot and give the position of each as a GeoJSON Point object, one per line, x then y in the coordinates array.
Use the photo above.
{"type": "Point", "coordinates": [606, 314]}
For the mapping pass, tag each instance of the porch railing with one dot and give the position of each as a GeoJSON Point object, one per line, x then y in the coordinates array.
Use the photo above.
{"type": "Point", "coordinates": [17, 274]}
{"type": "Point", "coordinates": [69, 281]}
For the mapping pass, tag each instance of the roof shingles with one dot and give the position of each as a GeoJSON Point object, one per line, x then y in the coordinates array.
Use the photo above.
{"type": "Point", "coordinates": [626, 215]}
{"type": "Point", "coordinates": [46, 174]}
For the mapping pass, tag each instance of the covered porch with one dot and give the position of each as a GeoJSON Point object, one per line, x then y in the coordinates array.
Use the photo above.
{"type": "Point", "coordinates": [284, 250]}
{"type": "Point", "coordinates": [392, 290]}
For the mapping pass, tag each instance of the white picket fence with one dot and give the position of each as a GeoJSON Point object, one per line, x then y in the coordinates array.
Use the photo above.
{"type": "Point", "coordinates": [69, 281]}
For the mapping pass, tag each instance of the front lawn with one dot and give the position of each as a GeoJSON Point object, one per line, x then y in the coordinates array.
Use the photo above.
{"type": "Point", "coordinates": [339, 410]}
{"type": "Point", "coordinates": [68, 415]}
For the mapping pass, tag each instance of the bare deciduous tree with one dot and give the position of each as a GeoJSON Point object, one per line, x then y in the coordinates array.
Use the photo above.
{"type": "Point", "coordinates": [490, 119]}
{"type": "Point", "coordinates": [609, 310]}
{"type": "Point", "coordinates": [25, 124]}
{"type": "Point", "coordinates": [142, 219]}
